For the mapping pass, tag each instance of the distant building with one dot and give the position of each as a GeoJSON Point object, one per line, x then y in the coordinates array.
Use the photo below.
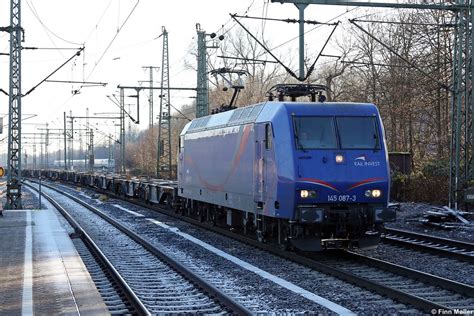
{"type": "Point", "coordinates": [80, 164]}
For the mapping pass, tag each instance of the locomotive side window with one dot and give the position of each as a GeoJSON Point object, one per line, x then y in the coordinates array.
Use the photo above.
{"type": "Point", "coordinates": [181, 143]}
{"type": "Point", "coordinates": [358, 132]}
{"type": "Point", "coordinates": [268, 136]}
{"type": "Point", "coordinates": [313, 132]}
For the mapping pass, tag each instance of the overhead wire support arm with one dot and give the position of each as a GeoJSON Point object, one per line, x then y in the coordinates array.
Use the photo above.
{"type": "Point", "coordinates": [120, 107]}
{"type": "Point", "coordinates": [441, 84]}
{"type": "Point", "coordinates": [249, 59]}
{"type": "Point", "coordinates": [399, 5]}
{"type": "Point", "coordinates": [96, 83]}
{"type": "Point", "coordinates": [284, 20]}
{"type": "Point", "coordinates": [78, 53]}
{"type": "Point", "coordinates": [405, 23]}
{"type": "Point", "coordinates": [265, 48]}
{"type": "Point", "coordinates": [310, 70]}
{"type": "Point", "coordinates": [361, 63]}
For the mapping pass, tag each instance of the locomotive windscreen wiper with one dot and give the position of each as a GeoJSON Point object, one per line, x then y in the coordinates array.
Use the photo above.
{"type": "Point", "coordinates": [377, 142]}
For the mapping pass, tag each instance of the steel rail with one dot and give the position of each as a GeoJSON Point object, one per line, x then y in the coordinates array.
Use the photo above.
{"type": "Point", "coordinates": [207, 287]}
{"type": "Point", "coordinates": [395, 294]}
{"type": "Point", "coordinates": [376, 287]}
{"type": "Point", "coordinates": [459, 250]}
{"type": "Point", "coordinates": [130, 295]}
{"type": "Point", "coordinates": [434, 280]}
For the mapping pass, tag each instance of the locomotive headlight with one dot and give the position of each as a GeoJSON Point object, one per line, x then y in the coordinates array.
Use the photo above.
{"type": "Point", "coordinates": [307, 194]}
{"type": "Point", "coordinates": [376, 193]}
{"type": "Point", "coordinates": [373, 193]}
{"type": "Point", "coordinates": [339, 158]}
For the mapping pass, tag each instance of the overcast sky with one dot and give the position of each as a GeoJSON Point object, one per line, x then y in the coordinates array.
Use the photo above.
{"type": "Point", "coordinates": [58, 24]}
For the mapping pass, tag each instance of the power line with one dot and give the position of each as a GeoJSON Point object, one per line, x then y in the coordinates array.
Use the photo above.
{"type": "Point", "coordinates": [113, 39]}
{"type": "Point", "coordinates": [35, 13]}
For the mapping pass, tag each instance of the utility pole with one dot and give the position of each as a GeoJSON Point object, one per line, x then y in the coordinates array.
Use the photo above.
{"type": "Point", "coordinates": [46, 146]}
{"type": "Point", "coordinates": [91, 151]}
{"type": "Point", "coordinates": [34, 152]}
{"type": "Point", "coordinates": [202, 100]}
{"type": "Point", "coordinates": [90, 156]}
{"type": "Point", "coordinates": [164, 107]}
{"type": "Point", "coordinates": [301, 7]}
{"type": "Point", "coordinates": [86, 157]}
{"type": "Point", "coordinates": [71, 142]}
{"type": "Point", "coordinates": [65, 147]}
{"type": "Point", "coordinates": [129, 126]}
{"type": "Point", "coordinates": [163, 158]}
{"type": "Point", "coordinates": [14, 104]}
{"type": "Point", "coordinates": [109, 145]}
{"type": "Point", "coordinates": [202, 97]}
{"type": "Point", "coordinates": [122, 131]}
{"type": "Point", "coordinates": [150, 100]}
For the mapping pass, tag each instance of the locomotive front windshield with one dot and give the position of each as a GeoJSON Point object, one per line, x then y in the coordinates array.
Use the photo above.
{"type": "Point", "coordinates": [342, 132]}
{"type": "Point", "coordinates": [358, 132]}
{"type": "Point", "coordinates": [315, 132]}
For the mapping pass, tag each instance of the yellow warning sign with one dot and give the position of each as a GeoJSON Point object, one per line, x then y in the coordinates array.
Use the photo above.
{"type": "Point", "coordinates": [2, 172]}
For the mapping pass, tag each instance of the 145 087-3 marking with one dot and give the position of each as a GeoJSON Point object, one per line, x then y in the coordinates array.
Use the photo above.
{"type": "Point", "coordinates": [342, 198]}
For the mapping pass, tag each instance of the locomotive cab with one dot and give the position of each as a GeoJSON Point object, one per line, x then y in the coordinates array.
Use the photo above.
{"type": "Point", "coordinates": [325, 171]}
{"type": "Point", "coordinates": [342, 177]}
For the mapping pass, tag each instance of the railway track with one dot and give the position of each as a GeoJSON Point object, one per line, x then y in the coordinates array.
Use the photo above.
{"type": "Point", "coordinates": [117, 294]}
{"type": "Point", "coordinates": [426, 291]}
{"type": "Point", "coordinates": [422, 291]}
{"type": "Point", "coordinates": [459, 250]}
{"type": "Point", "coordinates": [154, 282]}
{"type": "Point", "coordinates": [428, 294]}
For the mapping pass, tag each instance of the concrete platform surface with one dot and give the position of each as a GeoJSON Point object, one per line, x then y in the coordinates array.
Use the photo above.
{"type": "Point", "coordinates": [40, 270]}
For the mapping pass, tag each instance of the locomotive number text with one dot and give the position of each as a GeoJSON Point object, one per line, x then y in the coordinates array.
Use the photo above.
{"type": "Point", "coordinates": [342, 198]}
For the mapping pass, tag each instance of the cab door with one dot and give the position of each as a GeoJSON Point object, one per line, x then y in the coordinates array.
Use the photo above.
{"type": "Point", "coordinates": [259, 164]}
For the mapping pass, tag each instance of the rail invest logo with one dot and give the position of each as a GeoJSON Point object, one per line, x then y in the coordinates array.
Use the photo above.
{"type": "Point", "coordinates": [364, 161]}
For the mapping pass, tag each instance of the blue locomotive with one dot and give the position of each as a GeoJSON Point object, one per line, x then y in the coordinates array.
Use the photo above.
{"type": "Point", "coordinates": [310, 175]}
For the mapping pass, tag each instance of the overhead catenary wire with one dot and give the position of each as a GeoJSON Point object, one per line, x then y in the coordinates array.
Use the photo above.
{"type": "Point", "coordinates": [113, 39]}
{"type": "Point", "coordinates": [36, 15]}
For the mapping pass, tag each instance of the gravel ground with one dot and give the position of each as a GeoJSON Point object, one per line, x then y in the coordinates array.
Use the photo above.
{"type": "Point", "coordinates": [278, 299]}
{"type": "Point", "coordinates": [409, 213]}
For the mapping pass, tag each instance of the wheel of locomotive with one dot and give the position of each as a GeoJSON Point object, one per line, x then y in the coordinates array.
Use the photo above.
{"type": "Point", "coordinates": [201, 213]}
{"type": "Point", "coordinates": [283, 238]}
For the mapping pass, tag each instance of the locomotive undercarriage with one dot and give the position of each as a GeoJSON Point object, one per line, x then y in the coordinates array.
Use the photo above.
{"type": "Point", "coordinates": [342, 228]}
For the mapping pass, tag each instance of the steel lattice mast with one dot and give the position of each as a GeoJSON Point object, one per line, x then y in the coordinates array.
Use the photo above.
{"type": "Point", "coordinates": [14, 116]}
{"type": "Point", "coordinates": [122, 131]}
{"type": "Point", "coordinates": [202, 97]}
{"type": "Point", "coordinates": [150, 100]}
{"type": "Point", "coordinates": [462, 105]}
{"type": "Point", "coordinates": [163, 166]}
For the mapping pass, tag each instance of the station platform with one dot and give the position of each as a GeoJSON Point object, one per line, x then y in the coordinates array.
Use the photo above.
{"type": "Point", "coordinates": [40, 270]}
